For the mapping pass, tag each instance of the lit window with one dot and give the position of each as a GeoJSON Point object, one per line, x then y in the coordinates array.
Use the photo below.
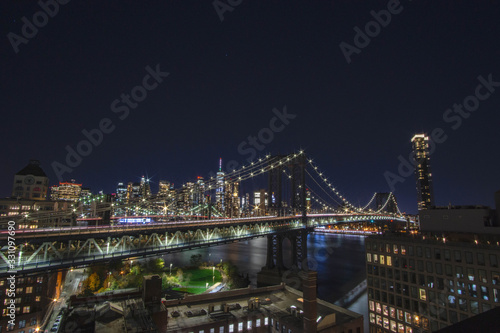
{"type": "Point", "coordinates": [369, 257]}
{"type": "Point", "coordinates": [26, 309]}
{"type": "Point", "coordinates": [385, 310]}
{"type": "Point", "coordinates": [240, 327]}
{"type": "Point", "coordinates": [382, 260]}
{"type": "Point", "coordinates": [408, 329]}
{"type": "Point", "coordinates": [257, 323]}
{"type": "Point", "coordinates": [403, 250]}
{"type": "Point", "coordinates": [386, 323]}
{"type": "Point", "coordinates": [379, 320]}
{"type": "Point", "coordinates": [266, 321]}
{"type": "Point", "coordinates": [372, 317]}
{"type": "Point", "coordinates": [395, 249]}
{"type": "Point", "coordinates": [249, 325]}
{"type": "Point", "coordinates": [408, 317]}
{"type": "Point", "coordinates": [392, 312]}
{"type": "Point", "coordinates": [416, 320]}
{"type": "Point", "coordinates": [423, 297]}
{"type": "Point", "coordinates": [29, 290]}
{"type": "Point", "coordinates": [379, 308]}
{"type": "Point", "coordinates": [401, 328]}
{"type": "Point", "coordinates": [393, 326]}
{"type": "Point", "coordinates": [231, 328]}
{"type": "Point", "coordinates": [375, 258]}
{"type": "Point", "coordinates": [371, 304]}
{"type": "Point", "coordinates": [221, 329]}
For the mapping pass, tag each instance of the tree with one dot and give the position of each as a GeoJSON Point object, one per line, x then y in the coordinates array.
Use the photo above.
{"type": "Point", "coordinates": [196, 260]}
{"type": "Point", "coordinates": [94, 282]}
{"type": "Point", "coordinates": [180, 275]}
{"type": "Point", "coordinates": [159, 265]}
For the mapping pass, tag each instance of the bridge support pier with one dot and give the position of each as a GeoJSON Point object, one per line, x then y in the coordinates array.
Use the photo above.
{"type": "Point", "coordinates": [275, 272]}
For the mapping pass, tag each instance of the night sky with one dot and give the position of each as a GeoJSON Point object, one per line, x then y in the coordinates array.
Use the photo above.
{"type": "Point", "coordinates": [226, 77]}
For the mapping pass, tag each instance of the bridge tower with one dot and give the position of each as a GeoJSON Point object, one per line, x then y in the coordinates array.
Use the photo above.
{"type": "Point", "coordinates": [274, 271]}
{"type": "Point", "coordinates": [296, 169]}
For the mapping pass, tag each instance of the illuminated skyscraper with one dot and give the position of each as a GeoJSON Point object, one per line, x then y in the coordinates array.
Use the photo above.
{"type": "Point", "coordinates": [66, 191]}
{"type": "Point", "coordinates": [121, 191]}
{"type": "Point", "coordinates": [219, 191]}
{"type": "Point", "coordinates": [145, 187]}
{"type": "Point", "coordinates": [425, 195]}
{"type": "Point", "coordinates": [164, 188]}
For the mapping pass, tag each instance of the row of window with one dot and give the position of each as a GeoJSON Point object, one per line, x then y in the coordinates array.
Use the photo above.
{"type": "Point", "coordinates": [441, 285]}
{"type": "Point", "coordinates": [18, 300]}
{"type": "Point", "coordinates": [29, 290]}
{"type": "Point", "coordinates": [26, 309]}
{"type": "Point", "coordinates": [437, 301]}
{"type": "Point", "coordinates": [239, 328]}
{"type": "Point", "coordinates": [389, 324]}
{"type": "Point", "coordinates": [28, 280]}
{"type": "Point", "coordinates": [437, 253]}
{"type": "Point", "coordinates": [459, 272]}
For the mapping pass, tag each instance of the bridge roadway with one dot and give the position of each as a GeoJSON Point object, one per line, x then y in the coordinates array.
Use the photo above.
{"type": "Point", "coordinates": [58, 248]}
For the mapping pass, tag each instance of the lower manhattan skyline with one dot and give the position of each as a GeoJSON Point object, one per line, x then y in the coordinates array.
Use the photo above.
{"type": "Point", "coordinates": [249, 166]}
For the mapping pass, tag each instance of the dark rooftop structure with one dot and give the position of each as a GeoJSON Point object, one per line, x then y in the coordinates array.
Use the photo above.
{"type": "Point", "coordinates": [33, 168]}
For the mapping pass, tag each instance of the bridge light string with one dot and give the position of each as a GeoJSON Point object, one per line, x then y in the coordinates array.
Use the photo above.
{"type": "Point", "coordinates": [321, 187]}
{"type": "Point", "coordinates": [311, 190]}
{"type": "Point", "coordinates": [370, 202]}
{"type": "Point", "coordinates": [257, 168]}
{"type": "Point", "coordinates": [332, 188]}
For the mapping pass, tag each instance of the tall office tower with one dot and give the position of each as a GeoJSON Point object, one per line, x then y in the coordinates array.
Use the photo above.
{"type": "Point", "coordinates": [260, 202]}
{"type": "Point", "coordinates": [232, 202]}
{"type": "Point", "coordinates": [164, 188]}
{"type": "Point", "coordinates": [199, 192]}
{"type": "Point", "coordinates": [219, 191]}
{"type": "Point", "coordinates": [145, 187]}
{"type": "Point", "coordinates": [121, 191]}
{"type": "Point", "coordinates": [133, 190]}
{"type": "Point", "coordinates": [425, 195]}
{"type": "Point", "coordinates": [31, 182]}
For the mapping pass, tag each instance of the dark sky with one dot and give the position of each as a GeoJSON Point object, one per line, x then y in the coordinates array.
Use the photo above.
{"type": "Point", "coordinates": [226, 77]}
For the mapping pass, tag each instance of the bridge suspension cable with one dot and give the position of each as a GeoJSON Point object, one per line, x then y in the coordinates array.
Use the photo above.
{"type": "Point", "coordinates": [332, 188]}
{"type": "Point", "coordinates": [370, 202]}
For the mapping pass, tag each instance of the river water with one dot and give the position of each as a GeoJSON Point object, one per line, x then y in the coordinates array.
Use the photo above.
{"type": "Point", "coordinates": [338, 259]}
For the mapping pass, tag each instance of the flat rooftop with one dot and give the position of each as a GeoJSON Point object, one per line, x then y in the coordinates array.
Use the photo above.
{"type": "Point", "coordinates": [276, 301]}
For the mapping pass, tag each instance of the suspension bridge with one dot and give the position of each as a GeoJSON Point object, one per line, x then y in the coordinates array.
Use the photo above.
{"type": "Point", "coordinates": [299, 197]}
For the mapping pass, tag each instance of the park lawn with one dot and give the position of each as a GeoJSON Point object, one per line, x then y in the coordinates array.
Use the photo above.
{"type": "Point", "coordinates": [197, 279]}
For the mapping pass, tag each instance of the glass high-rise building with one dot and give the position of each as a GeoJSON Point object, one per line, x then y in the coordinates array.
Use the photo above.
{"type": "Point", "coordinates": [425, 195]}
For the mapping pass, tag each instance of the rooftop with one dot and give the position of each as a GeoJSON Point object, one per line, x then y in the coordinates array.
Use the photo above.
{"type": "Point", "coordinates": [33, 168]}
{"type": "Point", "coordinates": [277, 301]}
